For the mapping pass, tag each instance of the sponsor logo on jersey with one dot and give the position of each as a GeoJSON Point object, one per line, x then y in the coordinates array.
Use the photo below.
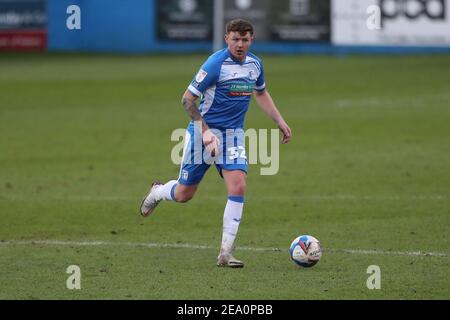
{"type": "Point", "coordinates": [241, 89]}
{"type": "Point", "coordinates": [201, 75]}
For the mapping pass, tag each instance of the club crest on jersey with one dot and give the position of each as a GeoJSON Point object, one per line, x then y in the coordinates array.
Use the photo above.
{"type": "Point", "coordinates": [200, 75]}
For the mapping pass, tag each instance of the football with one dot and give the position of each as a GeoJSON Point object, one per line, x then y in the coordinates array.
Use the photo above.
{"type": "Point", "coordinates": [305, 251]}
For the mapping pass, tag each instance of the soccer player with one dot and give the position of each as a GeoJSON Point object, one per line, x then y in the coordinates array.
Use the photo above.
{"type": "Point", "coordinates": [225, 83]}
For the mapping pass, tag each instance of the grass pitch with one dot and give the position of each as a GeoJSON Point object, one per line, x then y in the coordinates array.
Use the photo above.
{"type": "Point", "coordinates": [367, 173]}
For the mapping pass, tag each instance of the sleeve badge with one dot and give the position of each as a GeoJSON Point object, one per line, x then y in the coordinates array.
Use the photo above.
{"type": "Point", "coordinates": [201, 75]}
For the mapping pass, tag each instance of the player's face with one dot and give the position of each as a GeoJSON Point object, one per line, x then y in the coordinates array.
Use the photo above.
{"type": "Point", "coordinates": [238, 44]}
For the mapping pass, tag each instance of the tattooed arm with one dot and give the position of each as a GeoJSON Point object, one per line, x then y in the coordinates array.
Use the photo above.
{"type": "Point", "coordinates": [190, 105]}
{"type": "Point", "coordinates": [209, 139]}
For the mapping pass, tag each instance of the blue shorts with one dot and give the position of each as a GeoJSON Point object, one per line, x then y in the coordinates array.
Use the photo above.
{"type": "Point", "coordinates": [197, 160]}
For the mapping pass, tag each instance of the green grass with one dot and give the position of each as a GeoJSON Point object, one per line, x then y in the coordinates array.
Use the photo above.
{"type": "Point", "coordinates": [81, 138]}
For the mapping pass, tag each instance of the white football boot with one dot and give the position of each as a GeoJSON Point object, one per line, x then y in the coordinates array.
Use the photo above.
{"type": "Point", "coordinates": [226, 259]}
{"type": "Point", "coordinates": [149, 203]}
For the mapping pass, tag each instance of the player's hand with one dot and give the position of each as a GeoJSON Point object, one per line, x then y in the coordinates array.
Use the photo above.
{"type": "Point", "coordinates": [287, 133]}
{"type": "Point", "coordinates": [211, 142]}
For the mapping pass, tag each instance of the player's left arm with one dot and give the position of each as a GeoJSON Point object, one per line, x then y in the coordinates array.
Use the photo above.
{"type": "Point", "coordinates": [265, 101]}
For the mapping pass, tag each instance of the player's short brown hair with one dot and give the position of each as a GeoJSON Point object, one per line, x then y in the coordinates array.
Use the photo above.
{"type": "Point", "coordinates": [239, 25]}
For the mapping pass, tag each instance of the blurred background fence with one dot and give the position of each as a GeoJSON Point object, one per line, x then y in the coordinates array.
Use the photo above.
{"type": "Point", "coordinates": [282, 26]}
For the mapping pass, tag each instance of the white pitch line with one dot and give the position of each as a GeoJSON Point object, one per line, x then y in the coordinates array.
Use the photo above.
{"type": "Point", "coordinates": [309, 197]}
{"type": "Point", "coordinates": [392, 253]}
{"type": "Point", "coordinates": [205, 247]}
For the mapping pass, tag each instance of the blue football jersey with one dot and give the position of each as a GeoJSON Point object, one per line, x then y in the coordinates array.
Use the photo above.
{"type": "Point", "coordinates": [226, 86]}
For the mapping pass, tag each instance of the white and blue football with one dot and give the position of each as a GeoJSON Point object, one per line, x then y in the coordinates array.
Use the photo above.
{"type": "Point", "coordinates": [305, 251]}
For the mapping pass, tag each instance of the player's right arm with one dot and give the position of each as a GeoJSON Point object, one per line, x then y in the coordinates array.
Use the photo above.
{"type": "Point", "coordinates": [189, 102]}
{"type": "Point", "coordinates": [206, 77]}
{"type": "Point", "coordinates": [209, 139]}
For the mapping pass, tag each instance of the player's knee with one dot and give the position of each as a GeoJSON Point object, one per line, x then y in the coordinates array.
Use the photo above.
{"type": "Point", "coordinates": [238, 188]}
{"type": "Point", "coordinates": [184, 197]}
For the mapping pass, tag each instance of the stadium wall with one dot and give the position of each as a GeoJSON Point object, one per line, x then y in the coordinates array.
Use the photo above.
{"type": "Point", "coordinates": [23, 25]}
{"type": "Point", "coordinates": [117, 26]}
